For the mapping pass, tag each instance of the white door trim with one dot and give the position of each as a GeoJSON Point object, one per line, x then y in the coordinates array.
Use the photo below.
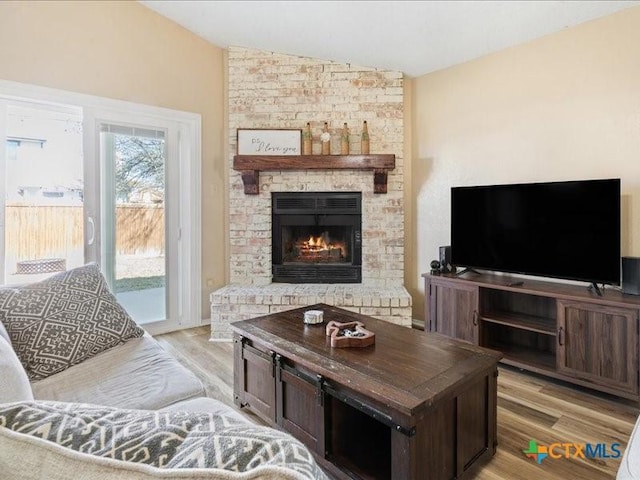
{"type": "Point", "coordinates": [3, 175]}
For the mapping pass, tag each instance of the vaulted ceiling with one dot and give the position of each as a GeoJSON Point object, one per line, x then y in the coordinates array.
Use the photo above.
{"type": "Point", "coordinates": [414, 37]}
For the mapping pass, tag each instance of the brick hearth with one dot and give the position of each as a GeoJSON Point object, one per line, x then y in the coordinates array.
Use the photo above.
{"type": "Point", "coordinates": [236, 302]}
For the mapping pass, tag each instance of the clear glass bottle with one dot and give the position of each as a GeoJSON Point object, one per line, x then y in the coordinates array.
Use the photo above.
{"type": "Point", "coordinates": [325, 139]}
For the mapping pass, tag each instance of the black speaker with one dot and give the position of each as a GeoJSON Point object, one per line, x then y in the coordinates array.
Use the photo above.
{"type": "Point", "coordinates": [445, 259]}
{"type": "Point", "coordinates": [631, 275]}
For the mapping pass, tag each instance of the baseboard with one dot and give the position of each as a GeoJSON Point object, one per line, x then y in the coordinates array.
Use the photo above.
{"type": "Point", "coordinates": [417, 324]}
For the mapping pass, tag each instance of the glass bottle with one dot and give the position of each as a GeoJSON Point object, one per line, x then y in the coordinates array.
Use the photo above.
{"type": "Point", "coordinates": [306, 140]}
{"type": "Point", "coordinates": [344, 140]}
{"type": "Point", "coordinates": [364, 142]}
{"type": "Point", "coordinates": [325, 138]}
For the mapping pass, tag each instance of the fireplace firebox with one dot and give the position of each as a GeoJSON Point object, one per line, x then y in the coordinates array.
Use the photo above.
{"type": "Point", "coordinates": [317, 237]}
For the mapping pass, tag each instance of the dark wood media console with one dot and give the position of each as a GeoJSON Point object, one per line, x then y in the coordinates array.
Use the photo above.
{"type": "Point", "coordinates": [411, 406]}
{"type": "Point", "coordinates": [559, 330]}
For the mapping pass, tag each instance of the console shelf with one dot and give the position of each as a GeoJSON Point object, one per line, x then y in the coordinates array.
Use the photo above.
{"type": "Point", "coordinates": [521, 321]}
{"type": "Point", "coordinates": [561, 330]}
{"type": "Point", "coordinates": [526, 358]}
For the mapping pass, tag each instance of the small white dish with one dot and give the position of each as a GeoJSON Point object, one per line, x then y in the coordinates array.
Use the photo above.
{"type": "Point", "coordinates": [313, 317]}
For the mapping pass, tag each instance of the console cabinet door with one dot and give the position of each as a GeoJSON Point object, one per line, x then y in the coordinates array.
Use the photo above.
{"type": "Point", "coordinates": [254, 382]}
{"type": "Point", "coordinates": [599, 344]}
{"type": "Point", "coordinates": [452, 309]}
{"type": "Point", "coordinates": [300, 409]}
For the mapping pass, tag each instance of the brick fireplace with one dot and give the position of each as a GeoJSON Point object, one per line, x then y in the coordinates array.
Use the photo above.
{"type": "Point", "coordinates": [267, 90]}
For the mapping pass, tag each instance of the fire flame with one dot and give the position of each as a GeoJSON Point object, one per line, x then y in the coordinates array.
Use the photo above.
{"type": "Point", "coordinates": [319, 244]}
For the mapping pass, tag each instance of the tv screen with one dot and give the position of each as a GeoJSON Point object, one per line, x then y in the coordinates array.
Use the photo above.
{"type": "Point", "coordinates": [567, 230]}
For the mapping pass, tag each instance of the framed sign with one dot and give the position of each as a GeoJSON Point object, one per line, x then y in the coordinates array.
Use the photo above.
{"type": "Point", "coordinates": [265, 141]}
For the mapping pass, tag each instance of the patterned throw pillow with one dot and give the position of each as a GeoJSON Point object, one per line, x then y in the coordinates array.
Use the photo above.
{"type": "Point", "coordinates": [64, 320]}
{"type": "Point", "coordinates": [167, 440]}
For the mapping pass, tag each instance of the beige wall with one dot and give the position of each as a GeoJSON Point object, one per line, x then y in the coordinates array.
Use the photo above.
{"type": "Point", "coordinates": [125, 51]}
{"type": "Point", "coordinates": [566, 106]}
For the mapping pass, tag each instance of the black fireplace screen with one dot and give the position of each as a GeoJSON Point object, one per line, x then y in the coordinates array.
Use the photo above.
{"type": "Point", "coordinates": [317, 237]}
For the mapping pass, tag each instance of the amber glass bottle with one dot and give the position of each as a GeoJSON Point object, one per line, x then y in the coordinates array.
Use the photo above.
{"type": "Point", "coordinates": [364, 142]}
{"type": "Point", "coordinates": [344, 140]}
{"type": "Point", "coordinates": [306, 140]}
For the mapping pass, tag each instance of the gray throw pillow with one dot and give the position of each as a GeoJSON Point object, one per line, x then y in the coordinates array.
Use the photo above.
{"type": "Point", "coordinates": [64, 320]}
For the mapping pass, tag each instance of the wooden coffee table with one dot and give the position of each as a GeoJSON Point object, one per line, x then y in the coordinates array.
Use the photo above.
{"type": "Point", "coordinates": [411, 406]}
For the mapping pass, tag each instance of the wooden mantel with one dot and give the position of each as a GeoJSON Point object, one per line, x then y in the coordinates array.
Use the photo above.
{"type": "Point", "coordinates": [250, 166]}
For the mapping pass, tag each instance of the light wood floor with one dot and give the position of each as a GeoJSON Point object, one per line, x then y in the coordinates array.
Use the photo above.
{"type": "Point", "coordinates": [529, 407]}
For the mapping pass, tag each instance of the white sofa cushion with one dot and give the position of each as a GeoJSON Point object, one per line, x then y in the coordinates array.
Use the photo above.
{"type": "Point", "coordinates": [209, 405]}
{"type": "Point", "coordinates": [137, 374]}
{"type": "Point", "coordinates": [159, 441]}
{"type": "Point", "coordinates": [4, 334]}
{"type": "Point", "coordinates": [630, 465]}
{"type": "Point", "coordinates": [14, 383]}
{"type": "Point", "coordinates": [64, 320]}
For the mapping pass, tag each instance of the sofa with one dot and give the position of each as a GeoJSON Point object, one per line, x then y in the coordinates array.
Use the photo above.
{"type": "Point", "coordinates": [630, 464]}
{"type": "Point", "coordinates": [85, 396]}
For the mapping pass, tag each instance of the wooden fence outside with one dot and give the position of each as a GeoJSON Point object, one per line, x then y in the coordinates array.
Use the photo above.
{"type": "Point", "coordinates": [34, 232]}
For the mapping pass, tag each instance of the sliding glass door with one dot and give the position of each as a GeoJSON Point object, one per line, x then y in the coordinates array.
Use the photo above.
{"type": "Point", "coordinates": [137, 213]}
{"type": "Point", "coordinates": [44, 174]}
{"type": "Point", "coordinates": [41, 190]}
{"type": "Point", "coordinates": [134, 232]}
{"type": "Point", "coordinates": [88, 179]}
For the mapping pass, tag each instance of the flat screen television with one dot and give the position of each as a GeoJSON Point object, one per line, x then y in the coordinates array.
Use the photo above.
{"type": "Point", "coordinates": [568, 230]}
